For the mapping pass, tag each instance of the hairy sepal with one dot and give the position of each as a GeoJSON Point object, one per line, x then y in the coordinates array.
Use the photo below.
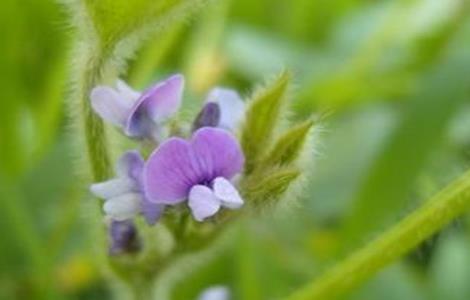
{"type": "Point", "coordinates": [264, 114]}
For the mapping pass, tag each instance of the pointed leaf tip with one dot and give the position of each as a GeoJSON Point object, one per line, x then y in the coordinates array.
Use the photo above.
{"type": "Point", "coordinates": [288, 146]}
{"type": "Point", "coordinates": [265, 111]}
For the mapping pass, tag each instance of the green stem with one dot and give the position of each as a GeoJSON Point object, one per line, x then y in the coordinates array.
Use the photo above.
{"type": "Point", "coordinates": [95, 137]}
{"type": "Point", "coordinates": [447, 205]}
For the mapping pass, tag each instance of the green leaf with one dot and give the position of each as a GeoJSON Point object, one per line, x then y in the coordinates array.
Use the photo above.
{"type": "Point", "coordinates": [289, 146]}
{"type": "Point", "coordinates": [392, 176]}
{"type": "Point", "coordinates": [262, 117]}
{"type": "Point", "coordinates": [269, 186]}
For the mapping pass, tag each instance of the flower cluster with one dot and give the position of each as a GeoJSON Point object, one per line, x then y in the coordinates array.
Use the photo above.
{"type": "Point", "coordinates": [232, 155]}
{"type": "Point", "coordinates": [198, 170]}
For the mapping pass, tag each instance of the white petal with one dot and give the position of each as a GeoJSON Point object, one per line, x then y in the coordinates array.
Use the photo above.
{"type": "Point", "coordinates": [123, 207]}
{"type": "Point", "coordinates": [110, 105]}
{"type": "Point", "coordinates": [127, 92]}
{"type": "Point", "coordinates": [227, 193]}
{"type": "Point", "coordinates": [232, 107]}
{"type": "Point", "coordinates": [202, 202]}
{"type": "Point", "coordinates": [112, 188]}
{"type": "Point", "coordinates": [215, 293]}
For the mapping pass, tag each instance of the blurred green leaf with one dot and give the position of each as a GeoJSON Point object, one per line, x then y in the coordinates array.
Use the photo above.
{"type": "Point", "coordinates": [148, 60]}
{"type": "Point", "coordinates": [393, 283]}
{"type": "Point", "coordinates": [248, 280]}
{"type": "Point", "coordinates": [451, 269]}
{"type": "Point", "coordinates": [204, 62]}
{"type": "Point", "coordinates": [115, 19]}
{"type": "Point", "coordinates": [385, 190]}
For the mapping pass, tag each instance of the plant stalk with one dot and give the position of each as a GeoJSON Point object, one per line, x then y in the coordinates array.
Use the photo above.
{"type": "Point", "coordinates": [440, 210]}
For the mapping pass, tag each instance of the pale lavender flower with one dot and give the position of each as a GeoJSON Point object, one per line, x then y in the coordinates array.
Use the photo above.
{"type": "Point", "coordinates": [124, 197]}
{"type": "Point", "coordinates": [139, 115]}
{"type": "Point", "coordinates": [218, 292]}
{"type": "Point", "coordinates": [123, 237]}
{"type": "Point", "coordinates": [198, 170]}
{"type": "Point", "coordinates": [231, 106]}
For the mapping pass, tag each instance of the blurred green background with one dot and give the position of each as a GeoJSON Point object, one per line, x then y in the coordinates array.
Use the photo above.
{"type": "Point", "coordinates": [396, 129]}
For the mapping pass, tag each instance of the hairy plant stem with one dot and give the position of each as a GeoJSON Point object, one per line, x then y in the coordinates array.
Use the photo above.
{"type": "Point", "coordinates": [95, 137]}
{"type": "Point", "coordinates": [96, 62]}
{"type": "Point", "coordinates": [451, 202]}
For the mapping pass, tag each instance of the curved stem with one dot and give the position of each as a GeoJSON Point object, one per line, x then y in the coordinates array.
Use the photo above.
{"type": "Point", "coordinates": [448, 204]}
{"type": "Point", "coordinates": [95, 137]}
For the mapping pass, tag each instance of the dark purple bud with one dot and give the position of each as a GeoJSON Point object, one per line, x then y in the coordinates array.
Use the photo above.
{"type": "Point", "coordinates": [123, 238]}
{"type": "Point", "coordinates": [208, 117]}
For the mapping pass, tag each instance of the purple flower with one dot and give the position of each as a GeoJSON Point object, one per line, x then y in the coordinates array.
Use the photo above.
{"type": "Point", "coordinates": [123, 195]}
{"type": "Point", "coordinates": [198, 170]}
{"type": "Point", "coordinates": [123, 237]}
{"type": "Point", "coordinates": [139, 115]}
{"type": "Point", "coordinates": [208, 117]}
{"type": "Point", "coordinates": [231, 106]}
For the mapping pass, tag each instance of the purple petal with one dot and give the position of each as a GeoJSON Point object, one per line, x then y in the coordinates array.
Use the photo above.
{"type": "Point", "coordinates": [227, 193]}
{"type": "Point", "coordinates": [151, 211]}
{"type": "Point", "coordinates": [131, 165]}
{"type": "Point", "coordinates": [218, 152]}
{"type": "Point", "coordinates": [110, 105]}
{"type": "Point", "coordinates": [208, 117]}
{"type": "Point", "coordinates": [203, 202]}
{"type": "Point", "coordinates": [177, 165]}
{"type": "Point", "coordinates": [168, 172]}
{"type": "Point", "coordinates": [123, 237]}
{"type": "Point", "coordinates": [232, 107]}
{"type": "Point", "coordinates": [155, 105]}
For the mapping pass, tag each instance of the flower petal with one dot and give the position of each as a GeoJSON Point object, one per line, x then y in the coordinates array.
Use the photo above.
{"type": "Point", "coordinates": [218, 152]}
{"type": "Point", "coordinates": [177, 164]}
{"type": "Point", "coordinates": [168, 173]}
{"type": "Point", "coordinates": [232, 107]}
{"type": "Point", "coordinates": [151, 211]}
{"type": "Point", "coordinates": [164, 99]}
{"type": "Point", "coordinates": [227, 193]}
{"type": "Point", "coordinates": [112, 188]}
{"type": "Point", "coordinates": [127, 92]}
{"type": "Point", "coordinates": [155, 105]}
{"type": "Point", "coordinates": [209, 116]}
{"type": "Point", "coordinates": [215, 293]}
{"type": "Point", "coordinates": [110, 105]}
{"type": "Point", "coordinates": [123, 237]}
{"type": "Point", "coordinates": [203, 202]}
{"type": "Point", "coordinates": [131, 165]}
{"type": "Point", "coordinates": [123, 207]}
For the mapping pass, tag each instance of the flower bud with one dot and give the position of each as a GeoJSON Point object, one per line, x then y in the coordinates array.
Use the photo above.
{"type": "Point", "coordinates": [208, 117]}
{"type": "Point", "coordinates": [123, 238]}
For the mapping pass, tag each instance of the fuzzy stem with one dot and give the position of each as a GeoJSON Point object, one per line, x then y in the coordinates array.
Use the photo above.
{"type": "Point", "coordinates": [450, 203]}
{"type": "Point", "coordinates": [95, 137]}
